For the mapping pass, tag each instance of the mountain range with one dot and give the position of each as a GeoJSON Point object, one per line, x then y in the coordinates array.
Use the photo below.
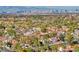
{"type": "Point", "coordinates": [38, 9]}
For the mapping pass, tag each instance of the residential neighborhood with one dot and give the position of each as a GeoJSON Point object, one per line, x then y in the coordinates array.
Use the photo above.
{"type": "Point", "coordinates": [39, 33]}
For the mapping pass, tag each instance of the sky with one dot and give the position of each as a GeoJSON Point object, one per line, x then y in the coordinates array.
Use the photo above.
{"type": "Point", "coordinates": [39, 2]}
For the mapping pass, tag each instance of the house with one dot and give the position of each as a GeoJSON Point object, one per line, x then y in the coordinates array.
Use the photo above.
{"type": "Point", "coordinates": [13, 42]}
{"type": "Point", "coordinates": [2, 38]}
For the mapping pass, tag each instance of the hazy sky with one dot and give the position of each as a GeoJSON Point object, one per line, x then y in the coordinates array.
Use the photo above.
{"type": "Point", "coordinates": [39, 2]}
